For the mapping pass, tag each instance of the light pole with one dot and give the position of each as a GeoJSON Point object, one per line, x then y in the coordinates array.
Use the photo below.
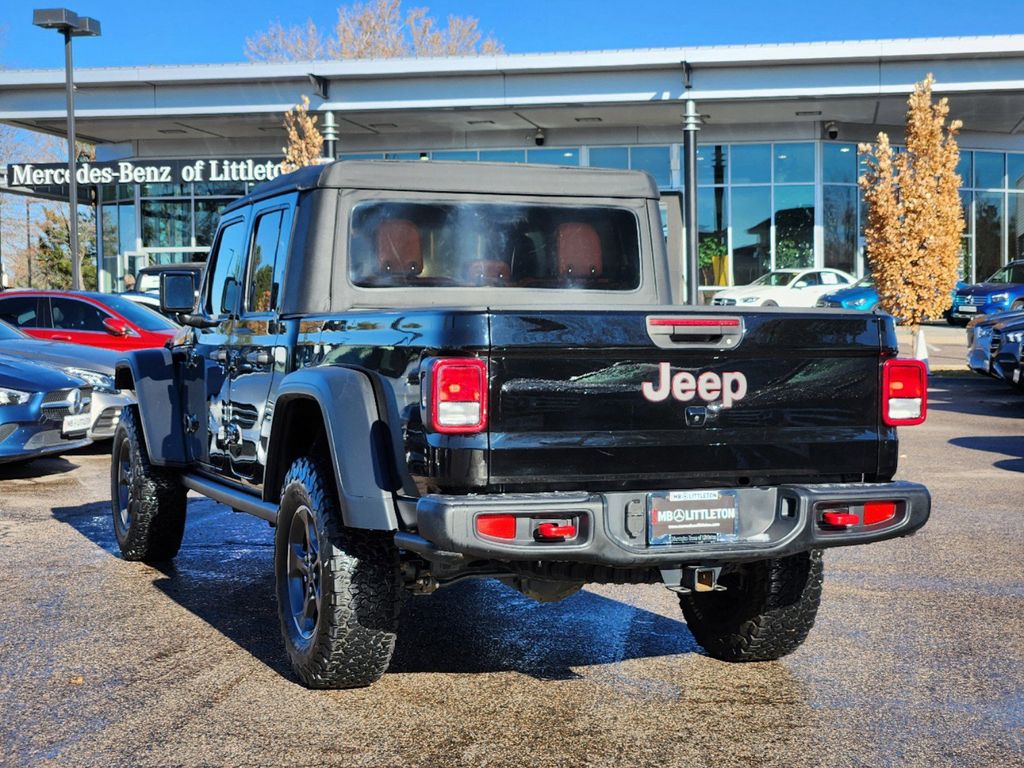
{"type": "Point", "coordinates": [70, 25]}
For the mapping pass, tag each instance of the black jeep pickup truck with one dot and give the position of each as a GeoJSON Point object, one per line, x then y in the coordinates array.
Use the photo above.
{"type": "Point", "coordinates": [423, 372]}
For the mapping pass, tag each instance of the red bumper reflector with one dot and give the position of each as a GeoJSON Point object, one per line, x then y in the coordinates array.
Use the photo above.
{"type": "Point", "coordinates": [497, 526]}
{"type": "Point", "coordinates": [839, 519]}
{"type": "Point", "coordinates": [555, 531]}
{"type": "Point", "coordinates": [693, 322]}
{"type": "Point", "coordinates": [879, 511]}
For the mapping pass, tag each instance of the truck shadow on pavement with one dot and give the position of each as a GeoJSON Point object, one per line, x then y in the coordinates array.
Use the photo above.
{"type": "Point", "coordinates": [224, 576]}
{"type": "Point", "coordinates": [1006, 445]}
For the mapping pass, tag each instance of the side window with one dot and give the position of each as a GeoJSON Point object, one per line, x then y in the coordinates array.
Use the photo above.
{"type": "Point", "coordinates": [75, 315]}
{"type": "Point", "coordinates": [227, 259]}
{"type": "Point", "coordinates": [830, 278]}
{"type": "Point", "coordinates": [270, 241]}
{"type": "Point", "coordinates": [21, 312]}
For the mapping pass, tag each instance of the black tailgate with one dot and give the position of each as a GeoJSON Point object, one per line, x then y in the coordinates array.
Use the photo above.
{"type": "Point", "coordinates": [567, 406]}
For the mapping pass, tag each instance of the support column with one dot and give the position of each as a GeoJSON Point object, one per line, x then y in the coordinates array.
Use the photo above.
{"type": "Point", "coordinates": [691, 124]}
{"type": "Point", "coordinates": [330, 134]}
{"type": "Point", "coordinates": [76, 267]}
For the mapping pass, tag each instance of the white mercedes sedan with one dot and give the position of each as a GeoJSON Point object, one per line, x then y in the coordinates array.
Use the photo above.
{"type": "Point", "coordinates": [785, 288]}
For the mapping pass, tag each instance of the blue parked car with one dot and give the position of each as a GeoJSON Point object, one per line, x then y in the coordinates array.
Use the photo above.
{"type": "Point", "coordinates": [1002, 292]}
{"type": "Point", "coordinates": [984, 339]}
{"type": "Point", "coordinates": [42, 411]}
{"type": "Point", "coordinates": [863, 296]}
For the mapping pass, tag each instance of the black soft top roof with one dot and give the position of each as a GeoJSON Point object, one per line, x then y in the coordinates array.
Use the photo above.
{"type": "Point", "coordinates": [464, 177]}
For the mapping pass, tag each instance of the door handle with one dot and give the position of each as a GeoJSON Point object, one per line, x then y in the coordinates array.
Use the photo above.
{"type": "Point", "coordinates": [258, 357]}
{"type": "Point", "coordinates": [60, 337]}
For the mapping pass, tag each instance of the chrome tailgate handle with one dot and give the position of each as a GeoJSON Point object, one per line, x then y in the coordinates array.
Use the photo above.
{"type": "Point", "coordinates": [695, 331]}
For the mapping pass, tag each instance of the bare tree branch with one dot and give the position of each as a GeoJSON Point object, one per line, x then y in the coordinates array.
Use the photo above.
{"type": "Point", "coordinates": [376, 29]}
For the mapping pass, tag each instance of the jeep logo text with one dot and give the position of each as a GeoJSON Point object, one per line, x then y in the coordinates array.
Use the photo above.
{"type": "Point", "coordinates": [731, 386]}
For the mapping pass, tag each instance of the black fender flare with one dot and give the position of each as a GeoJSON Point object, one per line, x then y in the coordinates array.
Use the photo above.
{"type": "Point", "coordinates": [358, 437]}
{"type": "Point", "coordinates": [151, 374]}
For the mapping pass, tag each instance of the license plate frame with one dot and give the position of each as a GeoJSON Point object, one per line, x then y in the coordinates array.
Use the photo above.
{"type": "Point", "coordinates": [76, 424]}
{"type": "Point", "coordinates": [692, 517]}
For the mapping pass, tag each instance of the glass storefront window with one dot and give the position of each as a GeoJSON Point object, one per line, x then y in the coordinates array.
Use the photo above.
{"type": "Point", "coordinates": [839, 219]}
{"type": "Point", "coordinates": [166, 223]}
{"type": "Point", "coordinates": [839, 163]}
{"type": "Point", "coordinates": [712, 164]}
{"type": "Point", "coordinates": [751, 232]}
{"type": "Point", "coordinates": [794, 226]}
{"type": "Point", "coordinates": [207, 216]}
{"type": "Point", "coordinates": [794, 163]}
{"type": "Point", "coordinates": [751, 163]}
{"type": "Point", "coordinates": [108, 233]}
{"type": "Point", "coordinates": [988, 170]}
{"type": "Point", "coordinates": [503, 155]}
{"type": "Point", "coordinates": [967, 239]}
{"type": "Point", "coordinates": [1015, 223]}
{"type": "Point", "coordinates": [1015, 171]}
{"type": "Point", "coordinates": [655, 160]}
{"type": "Point", "coordinates": [126, 226]}
{"type": "Point", "coordinates": [712, 236]}
{"type": "Point", "coordinates": [217, 188]}
{"type": "Point", "coordinates": [988, 233]}
{"type": "Point", "coordinates": [565, 156]}
{"type": "Point", "coordinates": [965, 168]}
{"type": "Point", "coordinates": [454, 154]}
{"type": "Point", "coordinates": [609, 157]}
{"type": "Point", "coordinates": [165, 190]}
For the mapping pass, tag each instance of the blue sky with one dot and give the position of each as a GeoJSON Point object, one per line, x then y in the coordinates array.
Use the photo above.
{"type": "Point", "coordinates": [200, 31]}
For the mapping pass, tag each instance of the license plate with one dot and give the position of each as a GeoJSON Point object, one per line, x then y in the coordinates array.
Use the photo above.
{"type": "Point", "coordinates": [688, 517]}
{"type": "Point", "coordinates": [965, 308]}
{"type": "Point", "coordinates": [1016, 375]}
{"type": "Point", "coordinates": [78, 423]}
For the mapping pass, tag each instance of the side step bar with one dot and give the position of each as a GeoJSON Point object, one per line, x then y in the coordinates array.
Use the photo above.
{"type": "Point", "coordinates": [237, 500]}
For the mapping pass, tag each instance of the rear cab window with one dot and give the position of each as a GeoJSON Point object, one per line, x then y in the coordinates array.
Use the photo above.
{"type": "Point", "coordinates": [514, 245]}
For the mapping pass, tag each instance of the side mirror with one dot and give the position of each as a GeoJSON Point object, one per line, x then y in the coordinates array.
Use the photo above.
{"type": "Point", "coordinates": [177, 292]}
{"type": "Point", "coordinates": [800, 284]}
{"type": "Point", "coordinates": [116, 327]}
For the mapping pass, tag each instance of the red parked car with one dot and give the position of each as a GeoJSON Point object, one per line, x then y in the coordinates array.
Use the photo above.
{"type": "Point", "coordinates": [94, 319]}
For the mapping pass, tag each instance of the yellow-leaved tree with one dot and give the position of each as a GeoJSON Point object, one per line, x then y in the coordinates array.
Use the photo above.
{"type": "Point", "coordinates": [915, 219]}
{"type": "Point", "coordinates": [305, 143]}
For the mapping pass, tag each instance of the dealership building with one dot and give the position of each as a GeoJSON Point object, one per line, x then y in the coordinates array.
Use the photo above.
{"type": "Point", "coordinates": [777, 160]}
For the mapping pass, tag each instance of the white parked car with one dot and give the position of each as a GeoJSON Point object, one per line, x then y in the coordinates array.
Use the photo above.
{"type": "Point", "coordinates": [785, 288]}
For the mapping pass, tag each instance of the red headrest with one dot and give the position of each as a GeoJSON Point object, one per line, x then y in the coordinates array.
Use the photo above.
{"type": "Point", "coordinates": [487, 271]}
{"type": "Point", "coordinates": [399, 251]}
{"type": "Point", "coordinates": [579, 251]}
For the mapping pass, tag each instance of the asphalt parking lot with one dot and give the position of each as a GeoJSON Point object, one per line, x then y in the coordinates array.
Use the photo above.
{"type": "Point", "coordinates": [917, 657]}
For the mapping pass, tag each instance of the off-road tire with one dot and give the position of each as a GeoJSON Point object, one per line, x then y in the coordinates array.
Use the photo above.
{"type": "Point", "coordinates": [156, 499]}
{"type": "Point", "coordinates": [351, 641]}
{"type": "Point", "coordinates": [765, 613]}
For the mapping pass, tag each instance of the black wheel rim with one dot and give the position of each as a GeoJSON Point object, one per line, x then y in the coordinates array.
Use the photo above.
{"type": "Point", "coordinates": [125, 501]}
{"type": "Point", "coordinates": [304, 572]}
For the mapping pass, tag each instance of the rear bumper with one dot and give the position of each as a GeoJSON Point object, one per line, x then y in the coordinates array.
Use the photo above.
{"type": "Point", "coordinates": [774, 522]}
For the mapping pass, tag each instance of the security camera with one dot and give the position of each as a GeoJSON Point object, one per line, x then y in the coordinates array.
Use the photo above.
{"type": "Point", "coordinates": [538, 138]}
{"type": "Point", "coordinates": [832, 130]}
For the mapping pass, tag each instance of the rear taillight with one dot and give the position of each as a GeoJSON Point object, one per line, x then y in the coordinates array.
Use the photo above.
{"type": "Point", "coordinates": [904, 392]}
{"type": "Point", "coordinates": [458, 396]}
